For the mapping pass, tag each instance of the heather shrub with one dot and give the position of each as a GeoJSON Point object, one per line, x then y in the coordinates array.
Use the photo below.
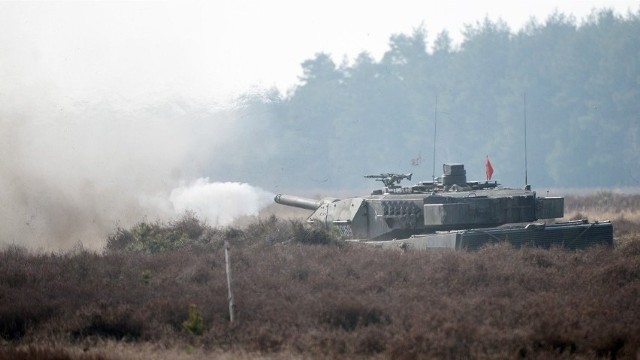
{"type": "Point", "coordinates": [334, 301]}
{"type": "Point", "coordinates": [623, 227]}
{"type": "Point", "coordinates": [350, 317]}
{"type": "Point", "coordinates": [189, 232]}
{"type": "Point", "coordinates": [42, 352]}
{"type": "Point", "coordinates": [314, 234]}
{"type": "Point", "coordinates": [119, 323]}
{"type": "Point", "coordinates": [194, 323]}
{"type": "Point", "coordinates": [297, 298]}
{"type": "Point", "coordinates": [17, 320]}
{"type": "Point", "coordinates": [186, 232]}
{"type": "Point", "coordinates": [276, 231]}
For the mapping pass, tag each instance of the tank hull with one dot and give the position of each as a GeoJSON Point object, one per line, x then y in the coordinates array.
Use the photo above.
{"type": "Point", "coordinates": [572, 235]}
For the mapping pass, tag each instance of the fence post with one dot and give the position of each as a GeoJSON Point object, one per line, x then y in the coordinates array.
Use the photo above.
{"type": "Point", "coordinates": [228, 261]}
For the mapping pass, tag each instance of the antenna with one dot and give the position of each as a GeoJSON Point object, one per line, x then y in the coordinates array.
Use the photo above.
{"type": "Point", "coordinates": [526, 182]}
{"type": "Point", "coordinates": [435, 130]}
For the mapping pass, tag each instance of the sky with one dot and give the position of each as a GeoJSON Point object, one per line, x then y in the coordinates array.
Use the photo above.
{"type": "Point", "coordinates": [216, 50]}
{"type": "Point", "coordinates": [110, 112]}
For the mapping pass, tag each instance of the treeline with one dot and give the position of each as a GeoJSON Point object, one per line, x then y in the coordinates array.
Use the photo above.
{"type": "Point", "coordinates": [576, 83]}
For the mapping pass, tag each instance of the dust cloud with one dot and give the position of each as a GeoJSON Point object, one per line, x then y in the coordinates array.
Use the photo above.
{"type": "Point", "coordinates": [73, 172]}
{"type": "Point", "coordinates": [103, 116]}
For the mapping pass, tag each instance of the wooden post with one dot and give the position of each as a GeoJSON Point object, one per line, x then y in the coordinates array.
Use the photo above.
{"type": "Point", "coordinates": [228, 261]}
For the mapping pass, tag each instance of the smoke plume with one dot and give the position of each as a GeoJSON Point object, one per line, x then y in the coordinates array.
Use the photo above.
{"type": "Point", "coordinates": [75, 172]}
{"type": "Point", "coordinates": [105, 115]}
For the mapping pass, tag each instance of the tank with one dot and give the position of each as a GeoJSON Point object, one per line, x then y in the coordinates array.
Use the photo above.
{"type": "Point", "coordinates": [451, 212]}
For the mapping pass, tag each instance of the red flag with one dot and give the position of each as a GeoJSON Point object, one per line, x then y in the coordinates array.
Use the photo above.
{"type": "Point", "coordinates": [488, 169]}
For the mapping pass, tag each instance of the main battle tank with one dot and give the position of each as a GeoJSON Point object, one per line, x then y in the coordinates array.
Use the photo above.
{"type": "Point", "coordinates": [450, 212]}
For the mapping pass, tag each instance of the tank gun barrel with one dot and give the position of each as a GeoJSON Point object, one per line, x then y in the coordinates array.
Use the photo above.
{"type": "Point", "coordinates": [299, 202]}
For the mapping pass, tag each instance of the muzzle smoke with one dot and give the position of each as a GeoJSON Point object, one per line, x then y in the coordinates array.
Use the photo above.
{"type": "Point", "coordinates": [219, 203]}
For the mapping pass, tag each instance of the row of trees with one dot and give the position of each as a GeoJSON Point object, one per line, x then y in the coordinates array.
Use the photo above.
{"type": "Point", "coordinates": [581, 82]}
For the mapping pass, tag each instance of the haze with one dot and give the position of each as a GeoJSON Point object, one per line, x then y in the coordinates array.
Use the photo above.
{"type": "Point", "coordinates": [217, 50]}
{"type": "Point", "coordinates": [109, 108]}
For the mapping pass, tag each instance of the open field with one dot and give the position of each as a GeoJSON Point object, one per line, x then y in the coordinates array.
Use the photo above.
{"type": "Point", "coordinates": [159, 291]}
{"type": "Point", "coordinates": [604, 205]}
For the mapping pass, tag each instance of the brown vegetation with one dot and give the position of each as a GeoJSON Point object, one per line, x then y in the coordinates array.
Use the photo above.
{"type": "Point", "coordinates": [300, 293]}
{"type": "Point", "coordinates": [605, 204]}
{"type": "Point", "coordinates": [622, 209]}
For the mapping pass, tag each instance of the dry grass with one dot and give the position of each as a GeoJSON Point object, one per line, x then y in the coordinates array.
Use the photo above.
{"type": "Point", "coordinates": [109, 349]}
{"type": "Point", "coordinates": [604, 205]}
{"type": "Point", "coordinates": [296, 300]}
{"type": "Point", "coordinates": [622, 209]}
